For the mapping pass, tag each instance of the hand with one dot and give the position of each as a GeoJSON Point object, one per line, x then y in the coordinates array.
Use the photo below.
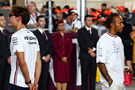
{"type": "Point", "coordinates": [128, 70]}
{"type": "Point", "coordinates": [30, 86]}
{"type": "Point", "coordinates": [64, 59]}
{"type": "Point", "coordinates": [9, 60]}
{"type": "Point", "coordinates": [48, 56]}
{"type": "Point", "coordinates": [46, 59]}
{"type": "Point", "coordinates": [91, 52]}
{"type": "Point", "coordinates": [35, 87]}
{"type": "Point", "coordinates": [132, 34]}
{"type": "Point", "coordinates": [110, 82]}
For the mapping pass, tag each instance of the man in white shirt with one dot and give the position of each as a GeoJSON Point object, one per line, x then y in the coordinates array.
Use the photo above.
{"type": "Point", "coordinates": [76, 23]}
{"type": "Point", "coordinates": [33, 15]}
{"type": "Point", "coordinates": [110, 55]}
{"type": "Point", "coordinates": [25, 56]}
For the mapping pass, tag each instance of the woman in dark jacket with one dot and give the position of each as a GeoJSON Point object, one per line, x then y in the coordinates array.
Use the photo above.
{"type": "Point", "coordinates": [62, 45]}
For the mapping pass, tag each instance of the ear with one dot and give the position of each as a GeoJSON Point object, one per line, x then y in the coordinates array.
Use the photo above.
{"type": "Point", "coordinates": [19, 19]}
{"type": "Point", "coordinates": [112, 25]}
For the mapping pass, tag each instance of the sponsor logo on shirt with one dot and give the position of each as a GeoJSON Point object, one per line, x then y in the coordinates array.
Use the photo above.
{"type": "Point", "coordinates": [15, 41]}
{"type": "Point", "coordinates": [29, 38]}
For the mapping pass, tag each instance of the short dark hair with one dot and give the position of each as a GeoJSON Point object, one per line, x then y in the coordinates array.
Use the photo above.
{"type": "Point", "coordinates": [1, 14]}
{"type": "Point", "coordinates": [104, 4]}
{"type": "Point", "coordinates": [40, 16]}
{"type": "Point", "coordinates": [111, 19]}
{"type": "Point", "coordinates": [21, 11]}
{"type": "Point", "coordinates": [67, 15]}
{"type": "Point", "coordinates": [32, 3]}
{"type": "Point", "coordinates": [67, 7]}
{"type": "Point", "coordinates": [87, 17]}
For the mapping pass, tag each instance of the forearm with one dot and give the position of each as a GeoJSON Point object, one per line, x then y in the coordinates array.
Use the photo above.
{"type": "Point", "coordinates": [25, 72]}
{"type": "Point", "coordinates": [73, 30]}
{"type": "Point", "coordinates": [104, 71]}
{"type": "Point", "coordinates": [23, 66]}
{"type": "Point", "coordinates": [37, 73]}
{"type": "Point", "coordinates": [129, 64]}
{"type": "Point", "coordinates": [37, 69]}
{"type": "Point", "coordinates": [83, 45]}
{"type": "Point", "coordinates": [70, 50]}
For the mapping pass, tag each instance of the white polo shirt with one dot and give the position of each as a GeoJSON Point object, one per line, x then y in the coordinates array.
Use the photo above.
{"type": "Point", "coordinates": [76, 23]}
{"type": "Point", "coordinates": [33, 19]}
{"type": "Point", "coordinates": [110, 51]}
{"type": "Point", "coordinates": [23, 41]}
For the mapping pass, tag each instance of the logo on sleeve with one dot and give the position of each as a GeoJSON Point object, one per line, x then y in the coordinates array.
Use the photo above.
{"type": "Point", "coordinates": [15, 41]}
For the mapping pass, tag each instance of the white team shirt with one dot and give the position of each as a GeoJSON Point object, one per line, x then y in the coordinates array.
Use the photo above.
{"type": "Point", "coordinates": [110, 51]}
{"type": "Point", "coordinates": [23, 41]}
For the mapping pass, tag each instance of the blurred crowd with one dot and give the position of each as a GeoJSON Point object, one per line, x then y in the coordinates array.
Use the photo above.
{"type": "Point", "coordinates": [66, 23]}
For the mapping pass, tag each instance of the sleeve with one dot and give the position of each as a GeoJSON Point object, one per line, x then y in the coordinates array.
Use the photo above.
{"type": "Point", "coordinates": [57, 51]}
{"type": "Point", "coordinates": [55, 46]}
{"type": "Point", "coordinates": [50, 49]}
{"type": "Point", "coordinates": [78, 24]}
{"type": "Point", "coordinates": [38, 48]}
{"type": "Point", "coordinates": [17, 44]}
{"type": "Point", "coordinates": [82, 44]}
{"type": "Point", "coordinates": [70, 49]}
{"type": "Point", "coordinates": [3, 54]}
{"type": "Point", "coordinates": [101, 51]}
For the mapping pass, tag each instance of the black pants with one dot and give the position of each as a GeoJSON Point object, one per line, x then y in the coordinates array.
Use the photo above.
{"type": "Point", "coordinates": [4, 76]}
{"type": "Point", "coordinates": [43, 81]}
{"type": "Point", "coordinates": [88, 71]}
{"type": "Point", "coordinates": [14, 87]}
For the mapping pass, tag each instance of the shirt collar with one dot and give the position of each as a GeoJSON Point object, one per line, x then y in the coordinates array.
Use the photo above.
{"type": "Point", "coordinates": [41, 30]}
{"type": "Point", "coordinates": [88, 28]}
{"type": "Point", "coordinates": [115, 36]}
{"type": "Point", "coordinates": [1, 29]}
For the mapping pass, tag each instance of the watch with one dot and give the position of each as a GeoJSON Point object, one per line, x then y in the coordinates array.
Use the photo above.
{"type": "Point", "coordinates": [29, 82]}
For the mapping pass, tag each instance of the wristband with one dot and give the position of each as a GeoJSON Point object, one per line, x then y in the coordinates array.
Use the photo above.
{"type": "Point", "coordinates": [29, 82]}
{"type": "Point", "coordinates": [126, 67]}
{"type": "Point", "coordinates": [43, 57]}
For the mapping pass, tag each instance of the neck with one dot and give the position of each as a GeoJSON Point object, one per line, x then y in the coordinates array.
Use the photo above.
{"type": "Point", "coordinates": [112, 31]}
{"type": "Point", "coordinates": [40, 28]}
{"type": "Point", "coordinates": [33, 13]}
{"type": "Point", "coordinates": [20, 26]}
{"type": "Point", "coordinates": [61, 32]}
{"type": "Point", "coordinates": [1, 27]}
{"type": "Point", "coordinates": [88, 26]}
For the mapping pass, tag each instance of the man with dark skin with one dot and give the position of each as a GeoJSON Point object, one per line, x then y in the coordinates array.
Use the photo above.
{"type": "Point", "coordinates": [110, 55]}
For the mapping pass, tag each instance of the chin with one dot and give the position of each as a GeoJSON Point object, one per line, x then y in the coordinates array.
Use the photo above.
{"type": "Point", "coordinates": [121, 30]}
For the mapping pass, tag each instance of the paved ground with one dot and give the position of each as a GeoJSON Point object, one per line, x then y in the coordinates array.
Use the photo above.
{"type": "Point", "coordinates": [132, 87]}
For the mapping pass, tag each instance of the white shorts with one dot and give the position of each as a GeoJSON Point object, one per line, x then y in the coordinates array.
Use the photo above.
{"type": "Point", "coordinates": [113, 87]}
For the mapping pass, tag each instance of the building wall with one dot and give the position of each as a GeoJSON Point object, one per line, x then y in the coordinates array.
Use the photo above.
{"type": "Point", "coordinates": [90, 3]}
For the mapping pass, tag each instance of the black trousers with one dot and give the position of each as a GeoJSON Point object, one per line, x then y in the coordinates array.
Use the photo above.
{"type": "Point", "coordinates": [14, 87]}
{"type": "Point", "coordinates": [43, 81]}
{"type": "Point", "coordinates": [4, 75]}
{"type": "Point", "coordinates": [88, 71]}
